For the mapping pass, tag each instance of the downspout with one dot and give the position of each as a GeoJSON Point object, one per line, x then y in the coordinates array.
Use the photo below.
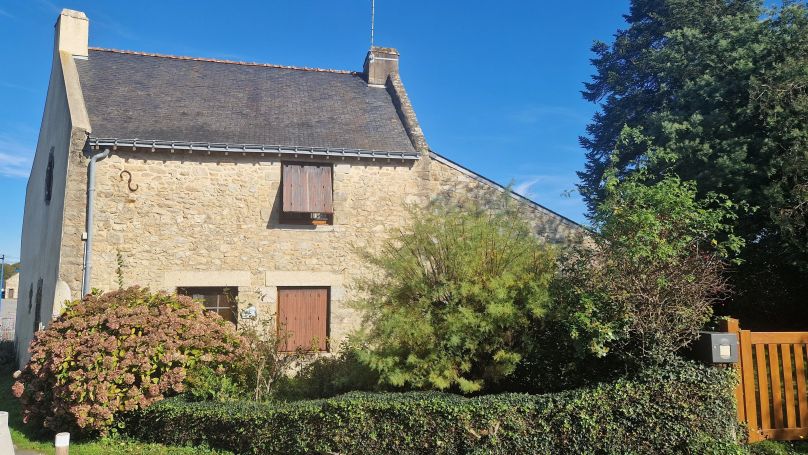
{"type": "Point", "coordinates": [88, 234]}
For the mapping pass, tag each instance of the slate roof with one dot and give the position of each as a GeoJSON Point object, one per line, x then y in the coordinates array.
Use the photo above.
{"type": "Point", "coordinates": [146, 96]}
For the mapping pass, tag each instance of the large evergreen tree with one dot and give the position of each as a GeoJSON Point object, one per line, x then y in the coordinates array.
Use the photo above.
{"type": "Point", "coordinates": [719, 88]}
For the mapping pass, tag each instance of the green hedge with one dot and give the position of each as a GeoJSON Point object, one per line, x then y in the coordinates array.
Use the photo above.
{"type": "Point", "coordinates": [660, 411]}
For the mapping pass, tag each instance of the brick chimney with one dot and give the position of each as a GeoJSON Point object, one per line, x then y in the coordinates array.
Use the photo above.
{"type": "Point", "coordinates": [72, 29]}
{"type": "Point", "coordinates": [380, 63]}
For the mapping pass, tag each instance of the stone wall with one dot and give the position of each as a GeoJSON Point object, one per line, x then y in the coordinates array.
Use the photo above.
{"type": "Point", "coordinates": [217, 216]}
{"type": "Point", "coordinates": [212, 220]}
{"type": "Point", "coordinates": [450, 181]}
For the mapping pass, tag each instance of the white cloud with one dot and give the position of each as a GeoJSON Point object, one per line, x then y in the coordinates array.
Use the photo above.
{"type": "Point", "coordinates": [17, 87]}
{"type": "Point", "coordinates": [15, 158]}
{"type": "Point", "coordinates": [106, 22]}
{"type": "Point", "coordinates": [547, 185]}
{"type": "Point", "coordinates": [524, 186]}
{"type": "Point", "coordinates": [49, 7]}
{"type": "Point", "coordinates": [554, 191]}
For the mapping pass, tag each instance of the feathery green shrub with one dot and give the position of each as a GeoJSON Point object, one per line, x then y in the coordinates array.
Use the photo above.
{"type": "Point", "coordinates": [456, 292]}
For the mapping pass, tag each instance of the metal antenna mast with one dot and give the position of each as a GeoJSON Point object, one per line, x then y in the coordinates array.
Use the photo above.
{"type": "Point", "coordinates": [372, 20]}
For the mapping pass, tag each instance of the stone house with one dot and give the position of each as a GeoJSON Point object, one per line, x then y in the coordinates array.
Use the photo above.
{"type": "Point", "coordinates": [224, 179]}
{"type": "Point", "coordinates": [11, 286]}
{"type": "Point", "coordinates": [8, 307]}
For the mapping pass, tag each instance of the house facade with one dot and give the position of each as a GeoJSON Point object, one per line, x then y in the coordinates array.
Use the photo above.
{"type": "Point", "coordinates": [11, 286]}
{"type": "Point", "coordinates": [249, 186]}
{"type": "Point", "coordinates": [8, 307]}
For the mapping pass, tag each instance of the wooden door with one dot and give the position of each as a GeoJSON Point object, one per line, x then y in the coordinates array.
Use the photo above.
{"type": "Point", "coordinates": [303, 318]}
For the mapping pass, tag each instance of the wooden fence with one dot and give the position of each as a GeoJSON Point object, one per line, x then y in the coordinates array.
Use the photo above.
{"type": "Point", "coordinates": [772, 397]}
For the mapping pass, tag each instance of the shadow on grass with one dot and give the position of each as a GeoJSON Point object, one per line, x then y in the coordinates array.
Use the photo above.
{"type": "Point", "coordinates": [25, 436]}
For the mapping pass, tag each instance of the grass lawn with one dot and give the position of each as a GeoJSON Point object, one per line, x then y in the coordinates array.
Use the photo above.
{"type": "Point", "coordinates": [25, 437]}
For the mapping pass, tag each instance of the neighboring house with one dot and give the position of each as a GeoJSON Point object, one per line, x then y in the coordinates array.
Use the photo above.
{"type": "Point", "coordinates": [12, 286]}
{"type": "Point", "coordinates": [223, 179]}
{"type": "Point", "coordinates": [8, 307]}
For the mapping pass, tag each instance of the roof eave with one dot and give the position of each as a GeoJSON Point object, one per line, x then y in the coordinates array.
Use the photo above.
{"type": "Point", "coordinates": [261, 149]}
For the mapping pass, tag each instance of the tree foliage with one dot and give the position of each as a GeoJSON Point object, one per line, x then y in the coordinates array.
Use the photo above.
{"type": "Point", "coordinates": [455, 293]}
{"type": "Point", "coordinates": [655, 272]}
{"type": "Point", "coordinates": [10, 268]}
{"type": "Point", "coordinates": [720, 87]}
{"type": "Point", "coordinates": [119, 352]}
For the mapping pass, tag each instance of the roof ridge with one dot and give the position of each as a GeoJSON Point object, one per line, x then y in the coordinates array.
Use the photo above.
{"type": "Point", "coordinates": [231, 62]}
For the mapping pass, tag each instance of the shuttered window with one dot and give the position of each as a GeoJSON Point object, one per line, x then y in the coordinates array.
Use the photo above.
{"type": "Point", "coordinates": [303, 318]}
{"type": "Point", "coordinates": [307, 188]}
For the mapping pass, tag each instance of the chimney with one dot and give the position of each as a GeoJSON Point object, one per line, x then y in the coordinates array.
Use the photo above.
{"type": "Point", "coordinates": [380, 63]}
{"type": "Point", "coordinates": [72, 30]}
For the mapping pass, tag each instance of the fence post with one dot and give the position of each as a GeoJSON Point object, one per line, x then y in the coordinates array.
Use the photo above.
{"type": "Point", "coordinates": [62, 443]}
{"type": "Point", "coordinates": [731, 325]}
{"type": "Point", "coordinates": [6, 446]}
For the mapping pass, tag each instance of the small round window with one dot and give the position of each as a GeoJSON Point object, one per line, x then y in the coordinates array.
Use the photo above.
{"type": "Point", "coordinates": [49, 178]}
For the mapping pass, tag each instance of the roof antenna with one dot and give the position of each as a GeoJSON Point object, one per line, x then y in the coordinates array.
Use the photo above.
{"type": "Point", "coordinates": [372, 20]}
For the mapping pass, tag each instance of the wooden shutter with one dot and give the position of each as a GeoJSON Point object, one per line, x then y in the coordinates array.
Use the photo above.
{"type": "Point", "coordinates": [307, 188]}
{"type": "Point", "coordinates": [303, 318]}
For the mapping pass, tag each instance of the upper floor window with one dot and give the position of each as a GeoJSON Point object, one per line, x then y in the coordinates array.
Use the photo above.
{"type": "Point", "coordinates": [307, 193]}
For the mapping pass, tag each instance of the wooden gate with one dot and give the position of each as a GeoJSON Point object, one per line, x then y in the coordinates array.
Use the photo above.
{"type": "Point", "coordinates": [772, 397]}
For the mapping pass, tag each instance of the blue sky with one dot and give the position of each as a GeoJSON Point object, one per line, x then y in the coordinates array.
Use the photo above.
{"type": "Point", "coordinates": [496, 85]}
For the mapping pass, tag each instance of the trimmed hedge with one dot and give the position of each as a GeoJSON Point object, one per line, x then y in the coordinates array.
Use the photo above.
{"type": "Point", "coordinates": [660, 411]}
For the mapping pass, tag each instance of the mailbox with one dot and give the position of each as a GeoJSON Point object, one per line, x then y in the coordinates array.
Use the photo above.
{"type": "Point", "coordinates": [249, 313]}
{"type": "Point", "coordinates": [717, 347]}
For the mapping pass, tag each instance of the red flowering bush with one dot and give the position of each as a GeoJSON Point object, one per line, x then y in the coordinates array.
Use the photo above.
{"type": "Point", "coordinates": [116, 353]}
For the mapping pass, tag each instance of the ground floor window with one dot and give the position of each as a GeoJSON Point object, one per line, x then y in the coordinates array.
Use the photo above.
{"type": "Point", "coordinates": [221, 301]}
{"type": "Point", "coordinates": [303, 318]}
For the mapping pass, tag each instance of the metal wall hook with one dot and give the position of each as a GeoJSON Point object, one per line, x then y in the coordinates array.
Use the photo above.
{"type": "Point", "coordinates": [129, 181]}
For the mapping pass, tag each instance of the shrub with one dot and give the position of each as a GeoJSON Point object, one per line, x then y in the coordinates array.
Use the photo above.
{"type": "Point", "coordinates": [328, 376]}
{"type": "Point", "coordinates": [118, 352]}
{"type": "Point", "coordinates": [555, 362]}
{"type": "Point", "coordinates": [265, 362]}
{"type": "Point", "coordinates": [661, 411]}
{"type": "Point", "coordinates": [7, 353]}
{"type": "Point", "coordinates": [656, 270]}
{"type": "Point", "coordinates": [206, 384]}
{"type": "Point", "coordinates": [455, 293]}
